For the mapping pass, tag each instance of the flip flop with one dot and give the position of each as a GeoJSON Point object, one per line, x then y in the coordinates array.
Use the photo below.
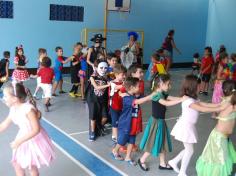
{"type": "Point", "coordinates": [116, 156]}
{"type": "Point", "coordinates": [131, 162]}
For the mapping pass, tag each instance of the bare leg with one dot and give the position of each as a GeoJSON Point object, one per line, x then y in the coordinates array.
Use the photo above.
{"type": "Point", "coordinates": [19, 171]}
{"type": "Point", "coordinates": [144, 157]}
{"type": "Point", "coordinates": [163, 159]}
{"type": "Point", "coordinates": [93, 124]}
{"type": "Point", "coordinates": [60, 84]}
{"type": "Point", "coordinates": [34, 171]}
{"type": "Point", "coordinates": [104, 120]}
{"type": "Point", "coordinates": [82, 87]}
{"type": "Point", "coordinates": [129, 150]}
{"type": "Point", "coordinates": [54, 87]}
{"type": "Point", "coordinates": [114, 132]}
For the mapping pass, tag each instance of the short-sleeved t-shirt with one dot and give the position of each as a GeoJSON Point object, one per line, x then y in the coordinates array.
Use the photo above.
{"type": "Point", "coordinates": [58, 63]}
{"type": "Point", "coordinates": [206, 61]}
{"type": "Point", "coordinates": [46, 75]}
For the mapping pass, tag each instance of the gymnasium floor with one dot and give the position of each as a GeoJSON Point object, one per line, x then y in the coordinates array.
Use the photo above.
{"type": "Point", "coordinates": [67, 125]}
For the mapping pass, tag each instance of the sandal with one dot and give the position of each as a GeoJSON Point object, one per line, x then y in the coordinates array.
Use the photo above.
{"type": "Point", "coordinates": [142, 165]}
{"type": "Point", "coordinates": [131, 162]}
{"type": "Point", "coordinates": [116, 156]}
{"type": "Point", "coordinates": [168, 167]}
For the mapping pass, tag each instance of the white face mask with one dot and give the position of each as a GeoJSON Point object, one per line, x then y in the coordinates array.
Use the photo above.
{"type": "Point", "coordinates": [102, 68]}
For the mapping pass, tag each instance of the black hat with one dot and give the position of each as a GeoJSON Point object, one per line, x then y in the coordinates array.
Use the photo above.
{"type": "Point", "coordinates": [98, 38]}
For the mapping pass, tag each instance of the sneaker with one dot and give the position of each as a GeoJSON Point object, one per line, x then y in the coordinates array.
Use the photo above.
{"type": "Point", "coordinates": [54, 95]}
{"type": "Point", "coordinates": [72, 95]}
{"type": "Point", "coordinates": [103, 131]}
{"type": "Point", "coordinates": [61, 92]}
{"type": "Point", "coordinates": [92, 136]}
{"type": "Point", "coordinates": [78, 95]}
{"type": "Point", "coordinates": [200, 92]}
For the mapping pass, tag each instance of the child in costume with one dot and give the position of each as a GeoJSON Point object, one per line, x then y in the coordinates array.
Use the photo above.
{"type": "Point", "coordinates": [4, 68]}
{"type": "Point", "coordinates": [20, 74]}
{"type": "Point", "coordinates": [219, 154]}
{"type": "Point", "coordinates": [32, 147]}
{"type": "Point", "coordinates": [136, 71]}
{"type": "Point", "coordinates": [222, 73]}
{"type": "Point", "coordinates": [42, 53]}
{"type": "Point", "coordinates": [158, 67]}
{"type": "Point", "coordinates": [74, 69]}
{"type": "Point", "coordinates": [156, 138]}
{"type": "Point", "coordinates": [130, 123]}
{"type": "Point", "coordinates": [115, 100]}
{"type": "Point", "coordinates": [97, 99]}
{"type": "Point", "coordinates": [185, 130]}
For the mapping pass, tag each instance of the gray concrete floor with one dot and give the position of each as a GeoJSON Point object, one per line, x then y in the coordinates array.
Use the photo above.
{"type": "Point", "coordinates": [71, 115]}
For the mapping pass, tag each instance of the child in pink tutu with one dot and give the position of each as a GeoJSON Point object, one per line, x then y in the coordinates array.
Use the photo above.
{"type": "Point", "coordinates": [32, 146]}
{"type": "Point", "coordinates": [185, 130]}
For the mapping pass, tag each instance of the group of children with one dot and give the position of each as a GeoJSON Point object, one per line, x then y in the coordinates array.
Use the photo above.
{"type": "Point", "coordinates": [114, 94]}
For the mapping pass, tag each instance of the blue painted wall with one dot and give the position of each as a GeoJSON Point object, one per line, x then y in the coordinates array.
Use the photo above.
{"type": "Point", "coordinates": [221, 24]}
{"type": "Point", "coordinates": [32, 28]}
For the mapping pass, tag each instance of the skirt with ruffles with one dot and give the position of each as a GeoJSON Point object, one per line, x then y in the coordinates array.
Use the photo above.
{"type": "Point", "coordinates": [156, 137]}
{"type": "Point", "coordinates": [218, 156]}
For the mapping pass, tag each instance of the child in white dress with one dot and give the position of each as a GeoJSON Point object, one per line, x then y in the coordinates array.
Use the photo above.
{"type": "Point", "coordinates": [185, 130]}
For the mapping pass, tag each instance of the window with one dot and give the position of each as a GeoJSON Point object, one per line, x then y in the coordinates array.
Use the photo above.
{"type": "Point", "coordinates": [66, 13]}
{"type": "Point", "coordinates": [6, 9]}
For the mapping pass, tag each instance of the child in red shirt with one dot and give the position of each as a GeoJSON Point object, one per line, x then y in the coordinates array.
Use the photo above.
{"type": "Point", "coordinates": [46, 73]}
{"type": "Point", "coordinates": [115, 101]}
{"type": "Point", "coordinates": [206, 70]}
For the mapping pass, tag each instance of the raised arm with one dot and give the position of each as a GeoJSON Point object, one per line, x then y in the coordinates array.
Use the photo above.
{"type": "Point", "coordinates": [199, 107]}
{"type": "Point", "coordinates": [97, 87]}
{"type": "Point", "coordinates": [144, 99]}
{"type": "Point", "coordinates": [170, 102]}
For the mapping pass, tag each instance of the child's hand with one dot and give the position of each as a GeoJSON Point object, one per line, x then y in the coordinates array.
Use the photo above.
{"type": "Point", "coordinates": [108, 84]}
{"type": "Point", "coordinates": [15, 144]}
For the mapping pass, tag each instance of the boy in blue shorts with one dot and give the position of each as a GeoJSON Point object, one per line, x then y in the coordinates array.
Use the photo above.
{"type": "Point", "coordinates": [126, 132]}
{"type": "Point", "coordinates": [60, 60]}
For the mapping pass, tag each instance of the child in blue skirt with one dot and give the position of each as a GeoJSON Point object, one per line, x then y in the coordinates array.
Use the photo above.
{"type": "Point", "coordinates": [156, 138]}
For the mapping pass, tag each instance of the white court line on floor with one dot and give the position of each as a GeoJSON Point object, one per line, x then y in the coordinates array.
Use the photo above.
{"type": "Point", "coordinates": [88, 149]}
{"type": "Point", "coordinates": [74, 160]}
